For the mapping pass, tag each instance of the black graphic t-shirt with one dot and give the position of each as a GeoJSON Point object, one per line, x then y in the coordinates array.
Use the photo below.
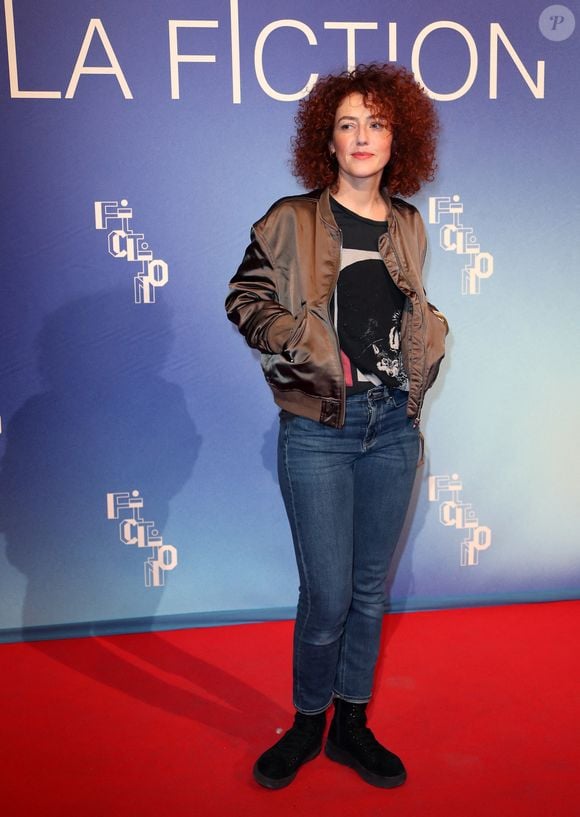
{"type": "Point", "coordinates": [366, 307]}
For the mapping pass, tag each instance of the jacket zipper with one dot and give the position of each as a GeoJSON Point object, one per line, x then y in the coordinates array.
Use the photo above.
{"type": "Point", "coordinates": [417, 418]}
{"type": "Point", "coordinates": [334, 332]}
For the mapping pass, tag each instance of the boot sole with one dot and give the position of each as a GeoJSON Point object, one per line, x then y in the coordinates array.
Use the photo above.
{"type": "Point", "coordinates": [339, 755]}
{"type": "Point", "coordinates": [279, 783]}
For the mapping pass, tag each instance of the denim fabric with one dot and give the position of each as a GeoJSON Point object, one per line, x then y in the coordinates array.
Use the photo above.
{"type": "Point", "coordinates": [346, 492]}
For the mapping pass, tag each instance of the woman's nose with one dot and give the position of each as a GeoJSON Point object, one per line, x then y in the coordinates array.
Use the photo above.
{"type": "Point", "coordinates": [362, 136]}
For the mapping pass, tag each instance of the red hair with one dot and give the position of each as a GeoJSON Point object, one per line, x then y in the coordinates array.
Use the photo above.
{"type": "Point", "coordinates": [393, 93]}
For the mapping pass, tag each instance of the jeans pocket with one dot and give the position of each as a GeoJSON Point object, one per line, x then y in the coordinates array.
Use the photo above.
{"type": "Point", "coordinates": [399, 397]}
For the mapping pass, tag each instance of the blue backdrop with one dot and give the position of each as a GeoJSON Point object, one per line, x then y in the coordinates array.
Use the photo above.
{"type": "Point", "coordinates": [141, 140]}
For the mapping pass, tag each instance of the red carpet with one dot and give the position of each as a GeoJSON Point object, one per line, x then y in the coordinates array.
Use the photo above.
{"type": "Point", "coordinates": [482, 704]}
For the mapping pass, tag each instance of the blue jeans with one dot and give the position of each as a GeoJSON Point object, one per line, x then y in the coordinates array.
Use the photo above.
{"type": "Point", "coordinates": [346, 492]}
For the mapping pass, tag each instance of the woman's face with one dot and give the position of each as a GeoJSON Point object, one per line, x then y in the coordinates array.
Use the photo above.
{"type": "Point", "coordinates": [361, 140]}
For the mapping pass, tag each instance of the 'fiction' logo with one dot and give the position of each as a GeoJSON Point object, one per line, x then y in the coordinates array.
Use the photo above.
{"type": "Point", "coordinates": [124, 243]}
{"type": "Point", "coordinates": [455, 237]}
{"type": "Point", "coordinates": [453, 513]}
{"type": "Point", "coordinates": [135, 530]}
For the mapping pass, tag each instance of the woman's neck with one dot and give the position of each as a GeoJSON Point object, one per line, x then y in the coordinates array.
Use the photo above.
{"type": "Point", "coordinates": [364, 200]}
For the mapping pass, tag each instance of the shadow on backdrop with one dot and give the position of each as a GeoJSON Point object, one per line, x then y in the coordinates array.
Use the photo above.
{"type": "Point", "coordinates": [106, 422]}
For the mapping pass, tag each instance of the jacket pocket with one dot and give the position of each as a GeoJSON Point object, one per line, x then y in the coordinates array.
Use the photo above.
{"type": "Point", "coordinates": [292, 345]}
{"type": "Point", "coordinates": [436, 330]}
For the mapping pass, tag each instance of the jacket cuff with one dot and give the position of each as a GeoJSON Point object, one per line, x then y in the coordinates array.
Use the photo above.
{"type": "Point", "coordinates": [279, 332]}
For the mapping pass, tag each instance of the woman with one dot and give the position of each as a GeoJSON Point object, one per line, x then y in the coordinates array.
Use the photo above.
{"type": "Point", "coordinates": [330, 292]}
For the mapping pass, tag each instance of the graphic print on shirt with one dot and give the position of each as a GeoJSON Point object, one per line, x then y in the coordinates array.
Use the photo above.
{"type": "Point", "coordinates": [367, 317]}
{"type": "Point", "coordinates": [388, 355]}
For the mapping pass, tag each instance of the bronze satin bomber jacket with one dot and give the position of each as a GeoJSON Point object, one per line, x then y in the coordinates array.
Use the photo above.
{"type": "Point", "coordinates": [279, 299]}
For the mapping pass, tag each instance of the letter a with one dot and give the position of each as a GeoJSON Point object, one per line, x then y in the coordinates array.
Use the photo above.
{"type": "Point", "coordinates": [80, 68]}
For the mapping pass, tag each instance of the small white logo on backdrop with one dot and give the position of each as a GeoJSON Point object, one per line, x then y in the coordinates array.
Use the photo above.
{"type": "Point", "coordinates": [453, 513]}
{"type": "Point", "coordinates": [124, 243]}
{"type": "Point", "coordinates": [135, 530]}
{"type": "Point", "coordinates": [454, 236]}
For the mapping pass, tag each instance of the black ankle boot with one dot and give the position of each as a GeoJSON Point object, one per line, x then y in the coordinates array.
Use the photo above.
{"type": "Point", "coordinates": [278, 766]}
{"type": "Point", "coordinates": [352, 743]}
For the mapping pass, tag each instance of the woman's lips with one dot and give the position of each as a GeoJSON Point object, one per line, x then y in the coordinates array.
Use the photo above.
{"type": "Point", "coordinates": [362, 155]}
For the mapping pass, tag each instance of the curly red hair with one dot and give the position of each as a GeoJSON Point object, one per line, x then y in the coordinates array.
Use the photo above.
{"type": "Point", "coordinates": [391, 92]}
